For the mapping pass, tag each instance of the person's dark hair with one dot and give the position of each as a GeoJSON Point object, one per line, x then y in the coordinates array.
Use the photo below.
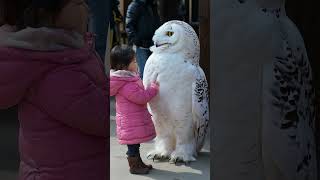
{"type": "Point", "coordinates": [11, 11]}
{"type": "Point", "coordinates": [42, 13]}
{"type": "Point", "coordinates": [121, 56]}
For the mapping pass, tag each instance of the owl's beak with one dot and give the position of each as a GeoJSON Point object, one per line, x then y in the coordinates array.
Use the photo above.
{"type": "Point", "coordinates": [161, 44]}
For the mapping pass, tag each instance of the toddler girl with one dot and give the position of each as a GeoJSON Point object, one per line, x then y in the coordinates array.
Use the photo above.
{"type": "Point", "coordinates": [134, 124]}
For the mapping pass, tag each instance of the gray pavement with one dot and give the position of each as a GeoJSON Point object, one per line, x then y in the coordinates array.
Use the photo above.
{"type": "Point", "coordinates": [119, 169]}
{"type": "Point", "coordinates": [199, 170]}
{"type": "Point", "coordinates": [8, 175]}
{"type": "Point", "coordinates": [9, 155]}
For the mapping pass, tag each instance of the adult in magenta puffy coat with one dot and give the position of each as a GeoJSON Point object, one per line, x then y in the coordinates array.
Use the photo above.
{"type": "Point", "coordinates": [56, 78]}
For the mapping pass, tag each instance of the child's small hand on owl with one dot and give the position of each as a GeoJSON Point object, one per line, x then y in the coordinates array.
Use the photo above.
{"type": "Point", "coordinates": [157, 83]}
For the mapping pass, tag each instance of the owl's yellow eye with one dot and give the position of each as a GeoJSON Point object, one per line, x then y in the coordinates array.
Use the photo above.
{"type": "Point", "coordinates": [169, 33]}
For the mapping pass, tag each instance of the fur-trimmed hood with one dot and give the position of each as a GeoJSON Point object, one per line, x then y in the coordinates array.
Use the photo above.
{"type": "Point", "coordinates": [119, 78]}
{"type": "Point", "coordinates": [5, 31]}
{"type": "Point", "coordinates": [122, 73]}
{"type": "Point", "coordinates": [43, 39]}
{"type": "Point", "coordinates": [62, 94]}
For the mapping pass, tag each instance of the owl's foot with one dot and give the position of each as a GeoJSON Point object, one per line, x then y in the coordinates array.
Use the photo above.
{"type": "Point", "coordinates": [183, 153]}
{"type": "Point", "coordinates": [158, 155]}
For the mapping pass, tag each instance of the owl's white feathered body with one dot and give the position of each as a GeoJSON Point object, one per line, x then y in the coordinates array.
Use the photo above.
{"type": "Point", "coordinates": [180, 118]}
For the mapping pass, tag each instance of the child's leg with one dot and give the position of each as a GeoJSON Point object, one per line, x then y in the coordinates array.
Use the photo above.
{"type": "Point", "coordinates": [133, 150]}
{"type": "Point", "coordinates": [135, 162]}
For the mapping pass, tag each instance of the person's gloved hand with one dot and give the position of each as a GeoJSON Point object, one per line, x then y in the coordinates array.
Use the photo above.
{"type": "Point", "coordinates": [118, 18]}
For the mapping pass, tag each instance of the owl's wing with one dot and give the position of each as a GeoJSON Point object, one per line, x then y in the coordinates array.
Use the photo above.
{"type": "Point", "coordinates": [200, 108]}
{"type": "Point", "coordinates": [289, 110]}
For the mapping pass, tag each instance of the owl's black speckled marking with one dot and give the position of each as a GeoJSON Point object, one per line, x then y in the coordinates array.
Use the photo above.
{"type": "Point", "coordinates": [201, 90]}
{"type": "Point", "coordinates": [272, 12]}
{"type": "Point", "coordinates": [295, 96]}
{"type": "Point", "coordinates": [202, 94]}
{"type": "Point", "coordinates": [238, 3]}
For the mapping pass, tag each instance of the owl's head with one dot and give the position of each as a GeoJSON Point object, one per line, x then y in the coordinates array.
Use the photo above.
{"type": "Point", "coordinates": [177, 36]}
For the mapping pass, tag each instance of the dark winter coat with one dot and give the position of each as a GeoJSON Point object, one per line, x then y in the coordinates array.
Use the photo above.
{"type": "Point", "coordinates": [142, 21]}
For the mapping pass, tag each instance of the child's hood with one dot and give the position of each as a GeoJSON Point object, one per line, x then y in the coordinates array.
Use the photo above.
{"type": "Point", "coordinates": [119, 78]}
{"type": "Point", "coordinates": [5, 31]}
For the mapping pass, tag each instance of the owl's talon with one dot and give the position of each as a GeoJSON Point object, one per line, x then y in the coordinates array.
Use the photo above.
{"type": "Point", "coordinates": [176, 161]}
{"type": "Point", "coordinates": [172, 160]}
{"type": "Point", "coordinates": [163, 157]}
{"type": "Point", "coordinates": [156, 156]}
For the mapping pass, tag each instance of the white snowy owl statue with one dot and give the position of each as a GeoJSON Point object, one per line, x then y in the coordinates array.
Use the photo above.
{"type": "Point", "coordinates": [263, 106]}
{"type": "Point", "coordinates": [180, 111]}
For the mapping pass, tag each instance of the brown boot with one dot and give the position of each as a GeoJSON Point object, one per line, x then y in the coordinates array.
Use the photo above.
{"type": "Point", "coordinates": [136, 166]}
{"type": "Point", "coordinates": [149, 166]}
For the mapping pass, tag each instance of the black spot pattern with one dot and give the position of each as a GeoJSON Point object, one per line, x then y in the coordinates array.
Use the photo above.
{"type": "Point", "coordinates": [201, 90]}
{"type": "Point", "coordinates": [238, 3]}
{"type": "Point", "coordinates": [272, 12]}
{"type": "Point", "coordinates": [295, 96]}
{"type": "Point", "coordinates": [202, 94]}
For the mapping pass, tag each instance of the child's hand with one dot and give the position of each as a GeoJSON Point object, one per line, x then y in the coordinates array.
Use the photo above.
{"type": "Point", "coordinates": [155, 85]}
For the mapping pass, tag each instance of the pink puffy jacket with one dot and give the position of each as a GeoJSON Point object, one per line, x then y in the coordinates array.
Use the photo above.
{"type": "Point", "coordinates": [134, 124]}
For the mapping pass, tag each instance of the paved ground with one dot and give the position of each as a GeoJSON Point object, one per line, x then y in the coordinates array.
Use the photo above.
{"type": "Point", "coordinates": [9, 156]}
{"type": "Point", "coordinates": [199, 170]}
{"type": "Point", "coordinates": [8, 175]}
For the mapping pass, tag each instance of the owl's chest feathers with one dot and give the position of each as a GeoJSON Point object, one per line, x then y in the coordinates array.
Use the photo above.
{"type": "Point", "coordinates": [175, 78]}
{"type": "Point", "coordinates": [171, 65]}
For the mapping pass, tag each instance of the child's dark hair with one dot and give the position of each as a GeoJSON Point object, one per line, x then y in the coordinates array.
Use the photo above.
{"type": "Point", "coordinates": [11, 11]}
{"type": "Point", "coordinates": [121, 56]}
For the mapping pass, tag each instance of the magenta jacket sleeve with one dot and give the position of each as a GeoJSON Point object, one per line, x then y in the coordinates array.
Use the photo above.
{"type": "Point", "coordinates": [72, 98]}
{"type": "Point", "coordinates": [134, 93]}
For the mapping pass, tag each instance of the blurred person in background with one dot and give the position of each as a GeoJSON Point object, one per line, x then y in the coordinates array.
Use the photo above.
{"type": "Point", "coordinates": [99, 23]}
{"type": "Point", "coordinates": [142, 21]}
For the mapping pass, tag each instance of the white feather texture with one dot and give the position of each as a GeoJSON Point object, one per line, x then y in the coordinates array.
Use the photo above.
{"type": "Point", "coordinates": [180, 110]}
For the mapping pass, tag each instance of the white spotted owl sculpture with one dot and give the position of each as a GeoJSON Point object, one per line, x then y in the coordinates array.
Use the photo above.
{"type": "Point", "coordinates": [263, 106]}
{"type": "Point", "coordinates": [180, 111]}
